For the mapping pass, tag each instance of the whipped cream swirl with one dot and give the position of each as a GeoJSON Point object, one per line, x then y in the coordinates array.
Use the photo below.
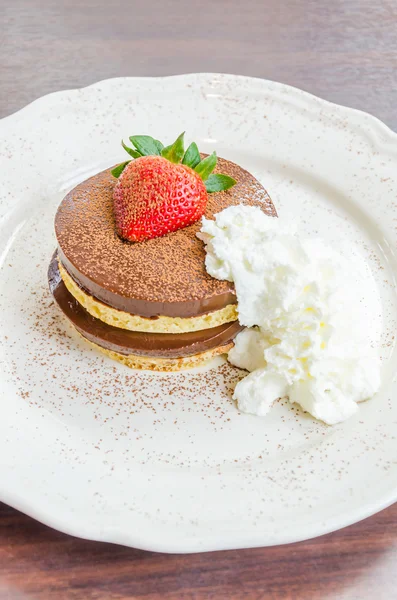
{"type": "Point", "coordinates": [302, 304]}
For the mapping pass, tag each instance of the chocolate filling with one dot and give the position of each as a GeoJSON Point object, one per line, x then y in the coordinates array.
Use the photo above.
{"type": "Point", "coordinates": [161, 345]}
{"type": "Point", "coordinates": [149, 310]}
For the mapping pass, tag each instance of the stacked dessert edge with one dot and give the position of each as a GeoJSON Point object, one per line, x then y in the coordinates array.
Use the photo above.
{"type": "Point", "coordinates": [151, 304]}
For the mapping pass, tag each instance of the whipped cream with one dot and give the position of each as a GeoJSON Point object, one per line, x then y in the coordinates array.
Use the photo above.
{"type": "Point", "coordinates": [302, 303]}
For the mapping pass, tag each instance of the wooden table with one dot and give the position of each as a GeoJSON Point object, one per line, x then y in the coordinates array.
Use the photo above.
{"type": "Point", "coordinates": [345, 51]}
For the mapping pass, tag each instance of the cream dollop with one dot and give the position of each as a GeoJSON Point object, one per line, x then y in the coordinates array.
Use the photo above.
{"type": "Point", "coordinates": [302, 303]}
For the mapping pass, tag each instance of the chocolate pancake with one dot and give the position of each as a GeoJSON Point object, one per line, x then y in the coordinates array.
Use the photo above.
{"type": "Point", "coordinates": [133, 342]}
{"type": "Point", "coordinates": [163, 276]}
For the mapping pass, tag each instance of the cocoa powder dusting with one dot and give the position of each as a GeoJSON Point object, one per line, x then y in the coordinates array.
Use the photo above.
{"type": "Point", "coordinates": [169, 269]}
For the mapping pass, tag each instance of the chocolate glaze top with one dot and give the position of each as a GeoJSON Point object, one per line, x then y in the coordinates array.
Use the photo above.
{"type": "Point", "coordinates": [162, 276]}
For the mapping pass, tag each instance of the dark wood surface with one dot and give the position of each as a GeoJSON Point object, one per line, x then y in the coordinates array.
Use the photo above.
{"type": "Point", "coordinates": [357, 563]}
{"type": "Point", "coordinates": [345, 51]}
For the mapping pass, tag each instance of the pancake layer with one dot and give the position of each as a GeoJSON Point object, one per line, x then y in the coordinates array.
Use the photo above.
{"type": "Point", "coordinates": [138, 349]}
{"type": "Point", "coordinates": [161, 324]}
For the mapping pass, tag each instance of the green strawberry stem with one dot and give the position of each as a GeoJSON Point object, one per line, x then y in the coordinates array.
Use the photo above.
{"type": "Point", "coordinates": [176, 151]}
{"type": "Point", "coordinates": [218, 183]}
{"type": "Point", "coordinates": [145, 145]}
{"type": "Point", "coordinates": [131, 152]}
{"type": "Point", "coordinates": [116, 172]}
{"type": "Point", "coordinates": [192, 156]}
{"type": "Point", "coordinates": [206, 166]}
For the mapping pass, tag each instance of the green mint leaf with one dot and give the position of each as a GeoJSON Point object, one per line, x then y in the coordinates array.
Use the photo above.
{"type": "Point", "coordinates": [145, 144]}
{"type": "Point", "coordinates": [206, 166]}
{"type": "Point", "coordinates": [116, 172]}
{"type": "Point", "coordinates": [219, 183]}
{"type": "Point", "coordinates": [175, 152]}
{"type": "Point", "coordinates": [192, 156]}
{"type": "Point", "coordinates": [131, 151]}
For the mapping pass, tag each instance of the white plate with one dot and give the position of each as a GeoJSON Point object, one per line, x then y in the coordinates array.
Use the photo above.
{"type": "Point", "coordinates": [166, 462]}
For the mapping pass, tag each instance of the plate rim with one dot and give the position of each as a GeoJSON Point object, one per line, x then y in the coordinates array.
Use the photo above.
{"type": "Point", "coordinates": [211, 78]}
{"type": "Point", "coordinates": [384, 135]}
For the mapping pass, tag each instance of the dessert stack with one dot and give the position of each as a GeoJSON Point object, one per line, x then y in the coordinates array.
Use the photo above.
{"type": "Point", "coordinates": [129, 272]}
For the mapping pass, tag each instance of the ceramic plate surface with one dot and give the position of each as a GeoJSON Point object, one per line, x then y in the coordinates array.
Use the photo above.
{"type": "Point", "coordinates": [166, 462]}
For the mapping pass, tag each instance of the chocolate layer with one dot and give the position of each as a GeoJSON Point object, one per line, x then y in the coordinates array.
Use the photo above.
{"type": "Point", "coordinates": [132, 342]}
{"type": "Point", "coordinates": [164, 276]}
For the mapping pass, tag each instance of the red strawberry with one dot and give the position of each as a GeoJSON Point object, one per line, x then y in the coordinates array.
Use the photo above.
{"type": "Point", "coordinates": [156, 194]}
